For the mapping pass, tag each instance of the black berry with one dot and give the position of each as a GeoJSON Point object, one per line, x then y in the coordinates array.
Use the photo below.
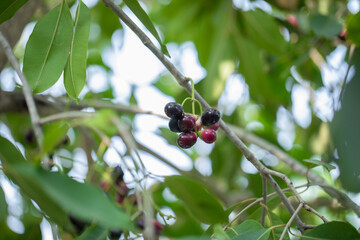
{"type": "Point", "coordinates": [186, 139]}
{"type": "Point", "coordinates": [187, 123]}
{"type": "Point", "coordinates": [118, 174]}
{"type": "Point", "coordinates": [208, 135]}
{"type": "Point", "coordinates": [140, 223]}
{"type": "Point", "coordinates": [210, 117]}
{"type": "Point", "coordinates": [116, 234]}
{"type": "Point", "coordinates": [173, 125]}
{"type": "Point", "coordinates": [78, 225]}
{"type": "Point", "coordinates": [174, 110]}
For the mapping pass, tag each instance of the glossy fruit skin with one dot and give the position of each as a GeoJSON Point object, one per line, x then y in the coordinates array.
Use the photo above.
{"type": "Point", "coordinates": [186, 139]}
{"type": "Point", "coordinates": [174, 110]}
{"type": "Point", "coordinates": [210, 117]}
{"type": "Point", "coordinates": [174, 125]}
{"type": "Point", "coordinates": [208, 135]}
{"type": "Point", "coordinates": [215, 126]}
{"type": "Point", "coordinates": [187, 123]}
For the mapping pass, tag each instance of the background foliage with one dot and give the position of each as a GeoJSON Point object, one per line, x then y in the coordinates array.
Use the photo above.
{"type": "Point", "coordinates": [293, 67]}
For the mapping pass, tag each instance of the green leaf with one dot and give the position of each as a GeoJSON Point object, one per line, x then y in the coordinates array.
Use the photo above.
{"type": "Point", "coordinates": [345, 129]}
{"type": "Point", "coordinates": [317, 163]}
{"type": "Point", "coordinates": [333, 231]}
{"type": "Point", "coordinates": [19, 170]}
{"type": "Point", "coordinates": [250, 230]}
{"type": "Point", "coordinates": [58, 194]}
{"type": "Point", "coordinates": [201, 203]}
{"type": "Point", "coordinates": [3, 206]}
{"type": "Point", "coordinates": [219, 233]}
{"type": "Point", "coordinates": [325, 25]}
{"type": "Point", "coordinates": [93, 233]}
{"type": "Point", "coordinates": [264, 31]}
{"type": "Point", "coordinates": [353, 29]}
{"type": "Point", "coordinates": [75, 71]}
{"type": "Point", "coordinates": [47, 50]}
{"type": "Point", "coordinates": [9, 7]}
{"type": "Point", "coordinates": [54, 134]}
{"type": "Point", "coordinates": [144, 18]}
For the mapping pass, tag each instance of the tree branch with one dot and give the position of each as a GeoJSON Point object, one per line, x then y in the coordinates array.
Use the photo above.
{"type": "Point", "coordinates": [297, 167]}
{"type": "Point", "coordinates": [184, 82]}
{"type": "Point", "coordinates": [34, 116]}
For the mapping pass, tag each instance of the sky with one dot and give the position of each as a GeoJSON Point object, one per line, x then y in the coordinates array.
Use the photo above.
{"type": "Point", "coordinates": [133, 64]}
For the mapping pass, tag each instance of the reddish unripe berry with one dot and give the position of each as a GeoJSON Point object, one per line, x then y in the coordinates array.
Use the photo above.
{"type": "Point", "coordinates": [187, 139]}
{"type": "Point", "coordinates": [187, 123]}
{"type": "Point", "coordinates": [342, 34]}
{"type": "Point", "coordinates": [208, 135]}
{"type": "Point", "coordinates": [215, 126]}
{"type": "Point", "coordinates": [174, 110]}
{"type": "Point", "coordinates": [292, 20]}
{"type": "Point", "coordinates": [157, 226]}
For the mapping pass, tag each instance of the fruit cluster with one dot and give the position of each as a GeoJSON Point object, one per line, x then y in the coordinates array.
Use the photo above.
{"type": "Point", "coordinates": [190, 125]}
{"type": "Point", "coordinates": [123, 198]}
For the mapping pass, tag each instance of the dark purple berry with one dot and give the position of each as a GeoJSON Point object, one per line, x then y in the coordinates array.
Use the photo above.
{"type": "Point", "coordinates": [78, 225]}
{"type": "Point", "coordinates": [174, 125]}
{"type": "Point", "coordinates": [187, 139]}
{"type": "Point", "coordinates": [174, 110]}
{"type": "Point", "coordinates": [187, 123]}
{"type": "Point", "coordinates": [118, 174]}
{"type": "Point", "coordinates": [115, 234]}
{"type": "Point", "coordinates": [30, 136]}
{"type": "Point", "coordinates": [140, 223]}
{"type": "Point", "coordinates": [210, 117]}
{"type": "Point", "coordinates": [208, 135]}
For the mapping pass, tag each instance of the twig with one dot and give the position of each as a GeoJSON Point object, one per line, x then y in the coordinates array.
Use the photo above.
{"type": "Point", "coordinates": [65, 115]}
{"type": "Point", "coordinates": [264, 193]}
{"type": "Point", "coordinates": [310, 209]}
{"type": "Point", "coordinates": [34, 116]}
{"type": "Point", "coordinates": [184, 82]}
{"type": "Point", "coordinates": [297, 167]}
{"type": "Point", "coordinates": [290, 221]}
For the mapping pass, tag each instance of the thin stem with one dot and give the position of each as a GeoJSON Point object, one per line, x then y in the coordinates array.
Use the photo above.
{"type": "Point", "coordinates": [34, 116]}
{"type": "Point", "coordinates": [290, 221]}
{"type": "Point", "coordinates": [264, 193]}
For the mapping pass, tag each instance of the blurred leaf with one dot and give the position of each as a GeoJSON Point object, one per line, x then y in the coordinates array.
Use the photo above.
{"type": "Point", "coordinates": [264, 31]}
{"type": "Point", "coordinates": [204, 205]}
{"type": "Point", "coordinates": [48, 48]}
{"type": "Point", "coordinates": [54, 134]}
{"type": "Point", "coordinates": [250, 230]}
{"type": "Point", "coordinates": [327, 26]}
{"type": "Point", "coordinates": [168, 85]}
{"type": "Point", "coordinates": [9, 7]}
{"type": "Point", "coordinates": [333, 231]}
{"type": "Point", "coordinates": [3, 206]}
{"type": "Point", "coordinates": [144, 18]}
{"type": "Point", "coordinates": [93, 233]}
{"type": "Point", "coordinates": [321, 163]}
{"type": "Point", "coordinates": [345, 129]}
{"type": "Point", "coordinates": [58, 194]}
{"type": "Point", "coordinates": [219, 233]}
{"type": "Point", "coordinates": [353, 29]}
{"type": "Point", "coordinates": [185, 224]}
{"type": "Point", "coordinates": [75, 71]}
{"type": "Point", "coordinates": [102, 121]}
